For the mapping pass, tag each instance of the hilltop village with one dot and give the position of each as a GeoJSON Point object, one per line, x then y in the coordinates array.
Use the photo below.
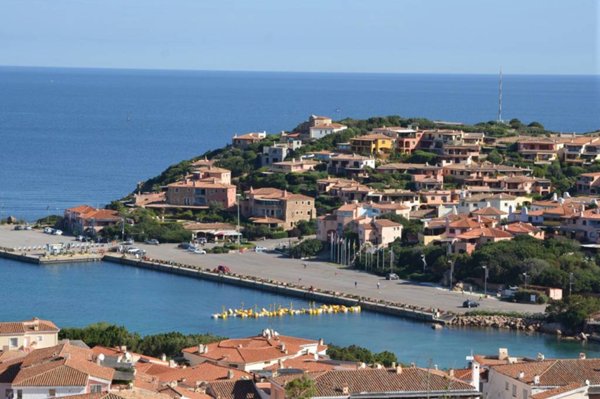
{"type": "Point", "coordinates": [35, 362]}
{"type": "Point", "coordinates": [503, 209]}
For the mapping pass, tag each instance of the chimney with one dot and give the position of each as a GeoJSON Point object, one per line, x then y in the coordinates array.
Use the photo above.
{"type": "Point", "coordinates": [475, 374]}
{"type": "Point", "coordinates": [123, 348]}
{"type": "Point", "coordinates": [398, 369]}
{"type": "Point", "coordinates": [540, 357]}
{"type": "Point", "coordinates": [321, 342]}
{"type": "Point", "coordinates": [502, 353]}
{"type": "Point", "coordinates": [536, 380]}
{"type": "Point", "coordinates": [451, 373]}
{"type": "Point", "coordinates": [345, 390]}
{"type": "Point", "coordinates": [280, 363]}
{"type": "Point", "coordinates": [521, 375]}
{"type": "Point", "coordinates": [230, 374]}
{"type": "Point", "coordinates": [582, 356]}
{"type": "Point", "coordinates": [163, 357]}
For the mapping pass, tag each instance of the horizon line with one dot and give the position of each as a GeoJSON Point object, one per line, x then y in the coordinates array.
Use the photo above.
{"type": "Point", "coordinates": [4, 66]}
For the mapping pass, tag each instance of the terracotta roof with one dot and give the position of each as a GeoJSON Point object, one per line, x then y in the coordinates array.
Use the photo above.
{"type": "Point", "coordinates": [199, 184]}
{"type": "Point", "coordinates": [27, 326]}
{"type": "Point", "coordinates": [464, 222]}
{"type": "Point", "coordinates": [253, 349]}
{"type": "Point", "coordinates": [388, 206]}
{"type": "Point", "coordinates": [203, 372]}
{"type": "Point", "coordinates": [242, 389]}
{"type": "Point", "coordinates": [485, 232]}
{"type": "Point", "coordinates": [331, 383]}
{"type": "Point", "coordinates": [386, 223]}
{"type": "Point", "coordinates": [101, 395]}
{"type": "Point", "coordinates": [554, 372]}
{"type": "Point", "coordinates": [552, 393]}
{"type": "Point", "coordinates": [266, 220]}
{"type": "Point", "coordinates": [489, 211]}
{"type": "Point", "coordinates": [349, 207]}
{"type": "Point", "coordinates": [521, 228]}
{"type": "Point", "coordinates": [343, 157]}
{"type": "Point", "coordinates": [61, 365]}
{"type": "Point", "coordinates": [306, 363]}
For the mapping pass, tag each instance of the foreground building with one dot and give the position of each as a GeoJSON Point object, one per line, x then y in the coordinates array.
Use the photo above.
{"type": "Point", "coordinates": [56, 371]}
{"type": "Point", "coordinates": [321, 126]}
{"type": "Point", "coordinates": [277, 208]}
{"type": "Point", "coordinates": [84, 218]}
{"type": "Point", "coordinates": [29, 334]}
{"type": "Point", "coordinates": [397, 382]}
{"type": "Point", "coordinates": [253, 353]}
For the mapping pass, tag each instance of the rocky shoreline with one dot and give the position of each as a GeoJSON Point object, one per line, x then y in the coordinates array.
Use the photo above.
{"type": "Point", "coordinates": [498, 321]}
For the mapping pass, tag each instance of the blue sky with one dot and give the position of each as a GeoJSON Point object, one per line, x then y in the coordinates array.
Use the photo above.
{"type": "Point", "coordinates": [433, 36]}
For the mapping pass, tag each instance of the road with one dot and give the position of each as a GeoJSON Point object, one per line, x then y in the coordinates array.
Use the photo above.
{"type": "Point", "coordinates": [318, 274]}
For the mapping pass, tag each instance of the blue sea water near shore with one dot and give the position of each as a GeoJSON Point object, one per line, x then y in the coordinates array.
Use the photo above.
{"type": "Point", "coordinates": [149, 302]}
{"type": "Point", "coordinates": [72, 136]}
{"type": "Point", "coordinates": [88, 136]}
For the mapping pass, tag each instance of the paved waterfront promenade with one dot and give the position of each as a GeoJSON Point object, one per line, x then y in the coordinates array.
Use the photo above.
{"type": "Point", "coordinates": [320, 275]}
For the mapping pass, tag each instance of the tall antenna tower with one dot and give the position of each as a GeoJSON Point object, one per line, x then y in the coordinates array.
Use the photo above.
{"type": "Point", "coordinates": [500, 98]}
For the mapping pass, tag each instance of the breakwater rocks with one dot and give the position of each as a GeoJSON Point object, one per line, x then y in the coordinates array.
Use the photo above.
{"type": "Point", "coordinates": [497, 321]}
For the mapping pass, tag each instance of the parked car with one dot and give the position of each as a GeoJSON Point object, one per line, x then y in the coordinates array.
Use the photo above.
{"type": "Point", "coordinates": [260, 249]}
{"type": "Point", "coordinates": [392, 276]}
{"type": "Point", "coordinates": [129, 241]}
{"type": "Point", "coordinates": [136, 251]}
{"type": "Point", "coordinates": [57, 232]}
{"type": "Point", "coordinates": [152, 241]}
{"type": "Point", "coordinates": [222, 269]}
{"type": "Point", "coordinates": [185, 245]}
{"type": "Point", "coordinates": [202, 240]}
{"type": "Point", "coordinates": [470, 304]}
{"type": "Point", "coordinates": [48, 230]}
{"type": "Point", "coordinates": [18, 227]}
{"type": "Point", "coordinates": [80, 238]}
{"type": "Point", "coordinates": [197, 251]}
{"type": "Point", "coordinates": [27, 227]}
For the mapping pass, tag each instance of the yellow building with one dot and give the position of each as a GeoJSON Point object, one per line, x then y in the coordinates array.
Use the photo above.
{"type": "Point", "coordinates": [29, 334]}
{"type": "Point", "coordinates": [379, 145]}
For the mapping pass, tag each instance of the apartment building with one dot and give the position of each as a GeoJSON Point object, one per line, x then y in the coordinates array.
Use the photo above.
{"type": "Point", "coordinates": [588, 183]}
{"type": "Point", "coordinates": [274, 153]}
{"type": "Point", "coordinates": [28, 334]}
{"type": "Point", "coordinates": [84, 218]}
{"type": "Point", "coordinates": [201, 194]}
{"type": "Point", "coordinates": [245, 140]}
{"type": "Point", "coordinates": [277, 208]}
{"type": "Point", "coordinates": [349, 163]}
{"type": "Point", "coordinates": [376, 144]}
{"type": "Point", "coordinates": [540, 150]}
{"type": "Point", "coordinates": [321, 126]}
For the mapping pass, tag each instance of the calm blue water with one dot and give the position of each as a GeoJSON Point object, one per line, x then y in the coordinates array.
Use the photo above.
{"type": "Point", "coordinates": [71, 136]}
{"type": "Point", "coordinates": [150, 302]}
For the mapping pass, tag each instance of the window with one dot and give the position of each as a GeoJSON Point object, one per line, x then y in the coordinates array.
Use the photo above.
{"type": "Point", "coordinates": [52, 393]}
{"type": "Point", "coordinates": [14, 342]}
{"type": "Point", "coordinates": [19, 394]}
{"type": "Point", "coordinates": [9, 394]}
{"type": "Point", "coordinates": [96, 388]}
{"type": "Point", "coordinates": [525, 393]}
{"type": "Point", "coordinates": [40, 338]}
{"type": "Point", "coordinates": [514, 390]}
{"type": "Point", "coordinates": [506, 386]}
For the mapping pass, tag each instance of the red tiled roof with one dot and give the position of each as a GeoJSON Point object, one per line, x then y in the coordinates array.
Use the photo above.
{"type": "Point", "coordinates": [22, 327]}
{"type": "Point", "coordinates": [253, 349]}
{"type": "Point", "coordinates": [331, 383]}
{"type": "Point", "coordinates": [203, 372]}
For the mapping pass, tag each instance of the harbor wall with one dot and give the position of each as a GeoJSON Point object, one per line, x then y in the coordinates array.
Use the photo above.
{"type": "Point", "coordinates": [326, 297]}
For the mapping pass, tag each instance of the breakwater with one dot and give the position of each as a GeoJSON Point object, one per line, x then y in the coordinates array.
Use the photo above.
{"type": "Point", "coordinates": [498, 321]}
{"type": "Point", "coordinates": [37, 258]}
{"type": "Point", "coordinates": [293, 290]}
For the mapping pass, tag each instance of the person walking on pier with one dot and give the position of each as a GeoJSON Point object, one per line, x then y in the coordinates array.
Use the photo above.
{"type": "Point", "coordinates": [378, 285]}
{"type": "Point", "coordinates": [355, 284]}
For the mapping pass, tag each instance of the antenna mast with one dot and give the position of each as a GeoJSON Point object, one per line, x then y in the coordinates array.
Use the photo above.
{"type": "Point", "coordinates": [500, 98]}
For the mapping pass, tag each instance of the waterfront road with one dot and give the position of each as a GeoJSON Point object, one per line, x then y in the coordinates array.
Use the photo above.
{"type": "Point", "coordinates": [321, 275]}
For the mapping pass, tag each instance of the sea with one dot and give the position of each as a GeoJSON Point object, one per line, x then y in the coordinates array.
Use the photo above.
{"type": "Point", "coordinates": [73, 136]}
{"type": "Point", "coordinates": [150, 302]}
{"type": "Point", "coordinates": [88, 136]}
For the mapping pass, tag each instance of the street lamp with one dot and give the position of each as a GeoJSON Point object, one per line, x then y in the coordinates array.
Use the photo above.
{"type": "Point", "coordinates": [485, 277]}
{"type": "Point", "coordinates": [525, 278]}
{"type": "Point", "coordinates": [451, 263]}
{"type": "Point", "coordinates": [237, 197]}
{"type": "Point", "coordinates": [570, 283]}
